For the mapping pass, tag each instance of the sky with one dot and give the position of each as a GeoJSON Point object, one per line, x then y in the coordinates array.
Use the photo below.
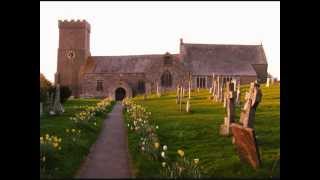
{"type": "Point", "coordinates": [129, 28]}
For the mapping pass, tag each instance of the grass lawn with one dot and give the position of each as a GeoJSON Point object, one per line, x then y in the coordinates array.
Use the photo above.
{"type": "Point", "coordinates": [71, 154]}
{"type": "Point", "coordinates": [197, 134]}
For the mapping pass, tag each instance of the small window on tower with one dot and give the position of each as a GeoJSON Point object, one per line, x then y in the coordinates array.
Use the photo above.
{"type": "Point", "coordinates": [99, 85]}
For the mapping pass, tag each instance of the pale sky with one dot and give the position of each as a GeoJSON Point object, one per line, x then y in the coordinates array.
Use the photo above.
{"type": "Point", "coordinates": [128, 28]}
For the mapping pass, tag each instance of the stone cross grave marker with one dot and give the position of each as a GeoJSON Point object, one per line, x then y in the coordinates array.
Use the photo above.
{"type": "Point", "coordinates": [57, 106]}
{"type": "Point", "coordinates": [230, 109]}
{"type": "Point", "coordinates": [247, 116]}
{"type": "Point", "coordinates": [238, 94]}
{"type": "Point", "coordinates": [246, 145]}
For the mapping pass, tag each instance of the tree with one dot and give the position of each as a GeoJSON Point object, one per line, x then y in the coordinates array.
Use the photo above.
{"type": "Point", "coordinates": [45, 86]}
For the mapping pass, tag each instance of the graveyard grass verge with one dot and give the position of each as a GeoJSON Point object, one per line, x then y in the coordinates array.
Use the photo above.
{"type": "Point", "coordinates": [197, 133]}
{"type": "Point", "coordinates": [71, 154]}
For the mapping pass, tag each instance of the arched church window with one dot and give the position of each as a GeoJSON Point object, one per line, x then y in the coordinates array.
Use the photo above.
{"type": "Point", "coordinates": [141, 86]}
{"type": "Point", "coordinates": [99, 85]}
{"type": "Point", "coordinates": [166, 79]}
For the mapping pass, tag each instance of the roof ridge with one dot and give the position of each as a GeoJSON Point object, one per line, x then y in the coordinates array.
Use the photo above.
{"type": "Point", "coordinates": [198, 44]}
{"type": "Point", "coordinates": [135, 55]}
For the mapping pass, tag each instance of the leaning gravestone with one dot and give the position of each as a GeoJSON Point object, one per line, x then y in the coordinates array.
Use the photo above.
{"type": "Point", "coordinates": [57, 106]}
{"type": "Point", "coordinates": [247, 116]}
{"type": "Point", "coordinates": [246, 145]}
{"type": "Point", "coordinates": [230, 109]}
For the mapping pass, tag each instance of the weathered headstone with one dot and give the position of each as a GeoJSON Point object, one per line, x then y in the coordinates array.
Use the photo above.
{"type": "Point", "coordinates": [178, 94]}
{"type": "Point", "coordinates": [230, 109]}
{"type": "Point", "coordinates": [158, 91]}
{"type": "Point", "coordinates": [238, 95]}
{"type": "Point", "coordinates": [268, 82]}
{"type": "Point", "coordinates": [180, 99]}
{"type": "Point", "coordinates": [246, 144]}
{"type": "Point", "coordinates": [57, 106]}
{"type": "Point", "coordinates": [272, 81]}
{"type": "Point", "coordinates": [189, 89]}
{"type": "Point", "coordinates": [188, 107]}
{"type": "Point", "coordinates": [247, 116]}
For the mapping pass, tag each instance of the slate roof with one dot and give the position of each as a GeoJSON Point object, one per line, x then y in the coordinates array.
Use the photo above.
{"type": "Point", "coordinates": [205, 59]}
{"type": "Point", "coordinates": [126, 64]}
{"type": "Point", "coordinates": [201, 59]}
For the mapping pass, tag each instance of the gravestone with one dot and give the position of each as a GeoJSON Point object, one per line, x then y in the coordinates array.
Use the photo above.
{"type": "Point", "coordinates": [272, 81]}
{"type": "Point", "coordinates": [57, 106]}
{"type": "Point", "coordinates": [189, 89]}
{"type": "Point", "coordinates": [188, 107]}
{"type": "Point", "coordinates": [178, 95]}
{"type": "Point", "coordinates": [238, 95]}
{"type": "Point", "coordinates": [246, 145]}
{"type": "Point", "coordinates": [180, 98]}
{"type": "Point", "coordinates": [214, 89]}
{"type": "Point", "coordinates": [268, 82]}
{"type": "Point", "coordinates": [221, 91]}
{"type": "Point", "coordinates": [217, 90]}
{"type": "Point", "coordinates": [230, 109]}
{"type": "Point", "coordinates": [254, 96]}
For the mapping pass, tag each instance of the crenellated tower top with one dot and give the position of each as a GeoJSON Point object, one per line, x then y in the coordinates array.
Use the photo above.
{"type": "Point", "coordinates": [74, 24]}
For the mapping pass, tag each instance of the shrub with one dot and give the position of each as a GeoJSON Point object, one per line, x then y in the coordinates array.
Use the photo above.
{"type": "Point", "coordinates": [65, 93]}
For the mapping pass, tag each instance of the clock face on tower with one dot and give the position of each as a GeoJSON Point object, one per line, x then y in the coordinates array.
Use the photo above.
{"type": "Point", "coordinates": [71, 54]}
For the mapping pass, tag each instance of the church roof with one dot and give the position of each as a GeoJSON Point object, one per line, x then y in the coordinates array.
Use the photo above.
{"type": "Point", "coordinates": [205, 59]}
{"type": "Point", "coordinates": [126, 64]}
{"type": "Point", "coordinates": [200, 59]}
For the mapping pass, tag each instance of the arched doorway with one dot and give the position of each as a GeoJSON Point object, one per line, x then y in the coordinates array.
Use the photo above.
{"type": "Point", "coordinates": [120, 94]}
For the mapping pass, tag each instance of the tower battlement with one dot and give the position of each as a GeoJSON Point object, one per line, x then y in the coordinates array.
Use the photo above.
{"type": "Point", "coordinates": [74, 24]}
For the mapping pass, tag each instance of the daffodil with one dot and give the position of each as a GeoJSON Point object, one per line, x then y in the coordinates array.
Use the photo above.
{"type": "Point", "coordinates": [73, 130]}
{"type": "Point", "coordinates": [55, 145]}
{"type": "Point", "coordinates": [157, 127]}
{"type": "Point", "coordinates": [163, 154]}
{"type": "Point", "coordinates": [180, 152]}
{"type": "Point", "coordinates": [156, 145]}
{"type": "Point", "coordinates": [165, 147]}
{"type": "Point", "coordinates": [196, 161]}
{"type": "Point", "coordinates": [163, 164]}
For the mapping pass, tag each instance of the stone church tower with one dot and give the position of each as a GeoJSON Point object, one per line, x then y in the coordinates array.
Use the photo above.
{"type": "Point", "coordinates": [74, 49]}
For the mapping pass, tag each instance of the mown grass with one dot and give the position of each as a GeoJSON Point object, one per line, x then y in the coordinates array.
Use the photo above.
{"type": "Point", "coordinates": [197, 133]}
{"type": "Point", "coordinates": [71, 154]}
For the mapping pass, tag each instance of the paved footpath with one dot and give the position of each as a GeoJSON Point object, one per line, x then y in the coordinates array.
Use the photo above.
{"type": "Point", "coordinates": [109, 157]}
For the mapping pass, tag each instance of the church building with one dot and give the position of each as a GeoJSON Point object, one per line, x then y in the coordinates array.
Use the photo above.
{"type": "Point", "coordinates": [129, 75]}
